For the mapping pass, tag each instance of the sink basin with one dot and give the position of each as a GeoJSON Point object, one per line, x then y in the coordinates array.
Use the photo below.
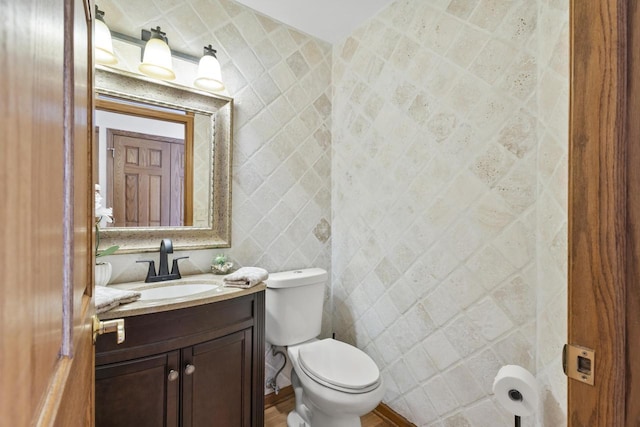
{"type": "Point", "coordinates": [176, 291]}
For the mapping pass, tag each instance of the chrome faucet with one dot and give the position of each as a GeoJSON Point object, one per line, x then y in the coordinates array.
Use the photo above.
{"type": "Point", "coordinates": [166, 247]}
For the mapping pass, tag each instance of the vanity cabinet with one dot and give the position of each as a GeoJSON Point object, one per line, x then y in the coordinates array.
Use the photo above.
{"type": "Point", "coordinates": [138, 393]}
{"type": "Point", "coordinates": [191, 367]}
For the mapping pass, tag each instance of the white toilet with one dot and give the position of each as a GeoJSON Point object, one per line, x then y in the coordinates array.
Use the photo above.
{"type": "Point", "coordinates": [334, 382]}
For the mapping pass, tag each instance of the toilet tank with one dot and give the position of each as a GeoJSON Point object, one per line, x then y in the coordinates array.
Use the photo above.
{"type": "Point", "coordinates": [294, 302]}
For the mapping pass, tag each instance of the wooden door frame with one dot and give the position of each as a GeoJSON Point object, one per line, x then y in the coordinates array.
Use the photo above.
{"type": "Point", "coordinates": [632, 274]}
{"type": "Point", "coordinates": [604, 205]}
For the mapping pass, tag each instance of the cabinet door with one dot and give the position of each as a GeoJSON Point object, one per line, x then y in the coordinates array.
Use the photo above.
{"type": "Point", "coordinates": [139, 392]}
{"type": "Point", "coordinates": [218, 390]}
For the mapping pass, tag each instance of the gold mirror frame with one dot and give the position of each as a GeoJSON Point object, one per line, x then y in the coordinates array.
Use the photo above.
{"type": "Point", "coordinates": [122, 84]}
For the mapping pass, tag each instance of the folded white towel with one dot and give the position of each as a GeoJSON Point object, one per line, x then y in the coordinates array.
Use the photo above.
{"type": "Point", "coordinates": [246, 277]}
{"type": "Point", "coordinates": [108, 298]}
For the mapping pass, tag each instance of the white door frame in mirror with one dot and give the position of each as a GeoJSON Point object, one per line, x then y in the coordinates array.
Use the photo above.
{"type": "Point", "coordinates": [125, 85]}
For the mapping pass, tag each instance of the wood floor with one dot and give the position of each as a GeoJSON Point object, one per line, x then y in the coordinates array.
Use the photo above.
{"type": "Point", "coordinates": [276, 416]}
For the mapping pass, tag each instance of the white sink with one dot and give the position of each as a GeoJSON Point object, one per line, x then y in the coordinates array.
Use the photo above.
{"type": "Point", "coordinates": [176, 291]}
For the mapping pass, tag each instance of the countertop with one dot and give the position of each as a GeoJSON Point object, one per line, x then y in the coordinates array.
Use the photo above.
{"type": "Point", "coordinates": [139, 307]}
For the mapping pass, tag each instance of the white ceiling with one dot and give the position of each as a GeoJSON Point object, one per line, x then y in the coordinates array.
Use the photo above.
{"type": "Point", "coordinates": [329, 20]}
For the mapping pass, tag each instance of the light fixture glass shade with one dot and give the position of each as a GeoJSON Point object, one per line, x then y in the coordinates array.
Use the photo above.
{"type": "Point", "coordinates": [103, 44]}
{"type": "Point", "coordinates": [209, 75]}
{"type": "Point", "coordinates": [156, 61]}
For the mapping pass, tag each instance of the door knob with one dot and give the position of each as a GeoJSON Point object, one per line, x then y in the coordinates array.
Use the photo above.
{"type": "Point", "coordinates": [189, 369]}
{"type": "Point", "coordinates": [108, 326]}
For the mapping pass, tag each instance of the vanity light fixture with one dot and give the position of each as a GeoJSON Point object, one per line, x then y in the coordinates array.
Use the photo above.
{"type": "Point", "coordinates": [209, 76]}
{"type": "Point", "coordinates": [156, 60]}
{"type": "Point", "coordinates": [103, 43]}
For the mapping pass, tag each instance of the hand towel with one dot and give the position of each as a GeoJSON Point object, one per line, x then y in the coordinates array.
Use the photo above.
{"type": "Point", "coordinates": [246, 277]}
{"type": "Point", "coordinates": [108, 298]}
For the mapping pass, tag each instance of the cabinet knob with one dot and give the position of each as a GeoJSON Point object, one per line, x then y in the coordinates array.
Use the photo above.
{"type": "Point", "coordinates": [189, 369]}
{"type": "Point", "coordinates": [173, 375]}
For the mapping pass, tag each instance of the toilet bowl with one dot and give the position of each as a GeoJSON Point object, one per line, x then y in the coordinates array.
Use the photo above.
{"type": "Point", "coordinates": [337, 384]}
{"type": "Point", "coordinates": [334, 383]}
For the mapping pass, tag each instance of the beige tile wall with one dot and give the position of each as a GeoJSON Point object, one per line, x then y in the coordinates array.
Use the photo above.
{"type": "Point", "coordinates": [446, 163]}
{"type": "Point", "coordinates": [440, 213]}
{"type": "Point", "coordinates": [280, 81]}
{"type": "Point", "coordinates": [553, 87]}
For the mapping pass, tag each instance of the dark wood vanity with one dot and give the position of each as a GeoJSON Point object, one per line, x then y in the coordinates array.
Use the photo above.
{"type": "Point", "coordinates": [190, 367]}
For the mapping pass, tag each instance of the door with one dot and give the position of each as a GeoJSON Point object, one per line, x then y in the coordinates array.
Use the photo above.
{"type": "Point", "coordinates": [144, 391]}
{"type": "Point", "coordinates": [45, 290]}
{"type": "Point", "coordinates": [217, 382]}
{"type": "Point", "coordinates": [604, 211]}
{"type": "Point", "coordinates": [147, 179]}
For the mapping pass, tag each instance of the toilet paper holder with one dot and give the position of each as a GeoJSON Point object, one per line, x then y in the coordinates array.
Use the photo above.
{"type": "Point", "coordinates": [516, 389]}
{"type": "Point", "coordinates": [516, 396]}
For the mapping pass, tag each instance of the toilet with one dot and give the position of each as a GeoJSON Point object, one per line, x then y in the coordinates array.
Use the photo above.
{"type": "Point", "coordinates": [334, 383]}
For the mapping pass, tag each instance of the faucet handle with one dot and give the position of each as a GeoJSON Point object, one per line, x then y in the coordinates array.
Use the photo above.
{"type": "Point", "coordinates": [152, 269]}
{"type": "Point", "coordinates": [174, 267]}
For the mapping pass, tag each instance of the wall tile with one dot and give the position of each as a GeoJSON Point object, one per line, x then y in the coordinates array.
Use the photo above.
{"type": "Point", "coordinates": [462, 385]}
{"type": "Point", "coordinates": [493, 60]}
{"type": "Point", "coordinates": [411, 148]}
{"type": "Point", "coordinates": [276, 177]}
{"type": "Point", "coordinates": [436, 166]}
{"type": "Point", "coordinates": [489, 13]}
{"type": "Point", "coordinates": [461, 8]}
{"type": "Point", "coordinates": [441, 397]}
{"type": "Point", "coordinates": [484, 414]}
{"type": "Point", "coordinates": [420, 408]}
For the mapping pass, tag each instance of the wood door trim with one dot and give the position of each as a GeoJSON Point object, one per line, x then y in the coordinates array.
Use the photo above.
{"type": "Point", "coordinates": [386, 413]}
{"type": "Point", "coordinates": [50, 405]}
{"type": "Point", "coordinates": [135, 110]}
{"type": "Point", "coordinates": [120, 132]}
{"type": "Point", "coordinates": [633, 217]}
{"type": "Point", "coordinates": [597, 208]}
{"type": "Point", "coordinates": [188, 170]}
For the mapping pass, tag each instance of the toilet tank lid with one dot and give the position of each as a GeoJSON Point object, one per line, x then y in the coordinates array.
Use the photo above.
{"type": "Point", "coordinates": [293, 278]}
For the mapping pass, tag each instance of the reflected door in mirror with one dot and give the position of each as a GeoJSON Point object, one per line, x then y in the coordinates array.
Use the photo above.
{"type": "Point", "coordinates": [147, 176]}
{"type": "Point", "coordinates": [148, 155]}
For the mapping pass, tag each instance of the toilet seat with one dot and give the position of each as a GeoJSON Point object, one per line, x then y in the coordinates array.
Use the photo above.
{"type": "Point", "coordinates": [339, 366]}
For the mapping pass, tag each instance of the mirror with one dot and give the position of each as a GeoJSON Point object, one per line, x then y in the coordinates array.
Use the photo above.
{"type": "Point", "coordinates": [190, 202]}
{"type": "Point", "coordinates": [144, 155]}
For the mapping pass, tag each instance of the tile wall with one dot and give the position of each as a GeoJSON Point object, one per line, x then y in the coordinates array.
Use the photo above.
{"type": "Point", "coordinates": [553, 119]}
{"type": "Point", "coordinates": [438, 207]}
{"type": "Point", "coordinates": [424, 165]}
{"type": "Point", "coordinates": [280, 81]}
